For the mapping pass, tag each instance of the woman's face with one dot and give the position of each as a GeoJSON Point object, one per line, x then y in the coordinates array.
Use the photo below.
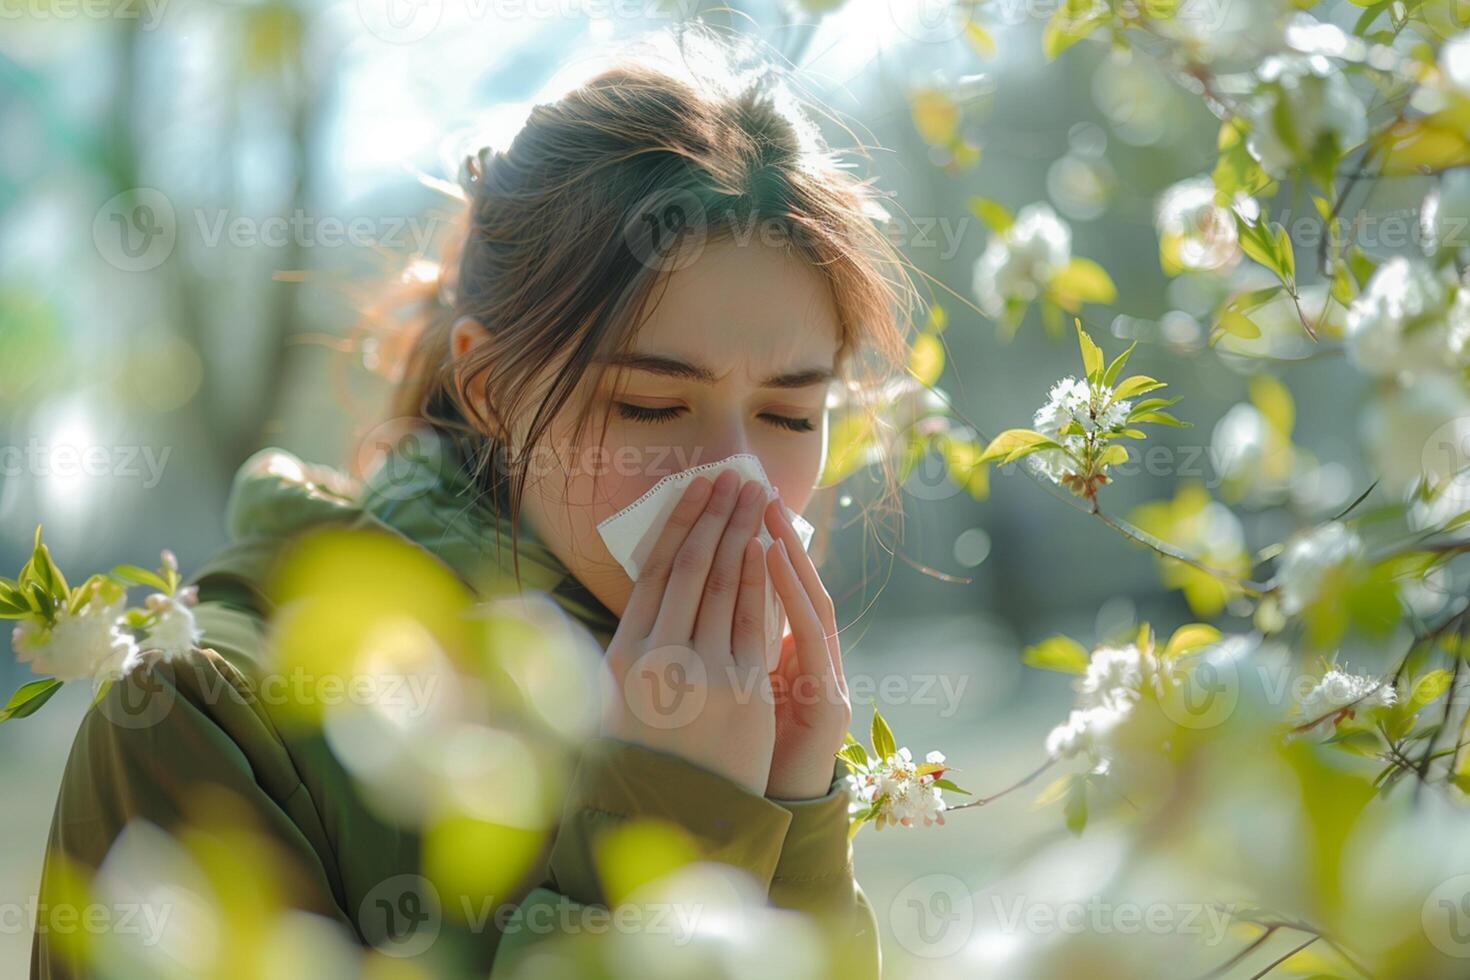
{"type": "Point", "coordinates": [736, 357]}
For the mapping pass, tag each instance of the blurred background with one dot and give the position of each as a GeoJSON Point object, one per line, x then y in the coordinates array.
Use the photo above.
{"type": "Point", "coordinates": [197, 199]}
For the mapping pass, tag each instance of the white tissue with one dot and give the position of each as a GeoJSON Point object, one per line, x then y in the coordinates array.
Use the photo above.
{"type": "Point", "coordinates": [631, 533]}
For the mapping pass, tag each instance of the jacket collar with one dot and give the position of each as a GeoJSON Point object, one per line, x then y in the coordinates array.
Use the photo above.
{"type": "Point", "coordinates": [425, 491]}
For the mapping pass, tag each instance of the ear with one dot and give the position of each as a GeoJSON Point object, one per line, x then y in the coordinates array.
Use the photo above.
{"type": "Point", "coordinates": [465, 335]}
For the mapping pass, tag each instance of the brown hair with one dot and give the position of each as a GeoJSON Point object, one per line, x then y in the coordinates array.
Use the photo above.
{"type": "Point", "coordinates": [568, 230]}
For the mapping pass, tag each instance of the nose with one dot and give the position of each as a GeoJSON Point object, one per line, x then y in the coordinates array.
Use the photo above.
{"type": "Point", "coordinates": [722, 439]}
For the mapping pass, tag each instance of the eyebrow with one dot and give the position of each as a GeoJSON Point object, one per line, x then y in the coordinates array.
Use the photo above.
{"type": "Point", "coordinates": [673, 367]}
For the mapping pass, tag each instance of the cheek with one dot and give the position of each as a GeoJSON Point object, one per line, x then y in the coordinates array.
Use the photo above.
{"type": "Point", "coordinates": [794, 470]}
{"type": "Point", "coordinates": [609, 479]}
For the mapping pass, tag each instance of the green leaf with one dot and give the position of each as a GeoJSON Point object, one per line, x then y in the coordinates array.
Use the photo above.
{"type": "Point", "coordinates": [1151, 404]}
{"type": "Point", "coordinates": [926, 359]}
{"type": "Point", "coordinates": [1116, 368]}
{"type": "Point", "coordinates": [1083, 281]}
{"type": "Point", "coordinates": [882, 735]}
{"type": "Point", "coordinates": [1058, 653]}
{"type": "Point", "coordinates": [1053, 791]}
{"type": "Point", "coordinates": [1258, 244]}
{"type": "Point", "coordinates": [1092, 355]}
{"type": "Point", "coordinates": [1237, 324]}
{"type": "Point", "coordinates": [950, 787]}
{"type": "Point", "coordinates": [1361, 264]}
{"type": "Point", "coordinates": [936, 320]}
{"type": "Point", "coordinates": [1161, 418]}
{"type": "Point", "coordinates": [1075, 810]}
{"type": "Point", "coordinates": [1285, 257]}
{"type": "Point", "coordinates": [140, 576]}
{"type": "Point", "coordinates": [1136, 385]}
{"type": "Point", "coordinates": [1433, 142]}
{"type": "Point", "coordinates": [1369, 15]}
{"type": "Point", "coordinates": [1066, 28]}
{"type": "Point", "coordinates": [854, 755]}
{"type": "Point", "coordinates": [1430, 687]}
{"type": "Point", "coordinates": [28, 698]}
{"type": "Point", "coordinates": [1113, 455]}
{"type": "Point", "coordinates": [13, 602]}
{"type": "Point", "coordinates": [1358, 742]}
{"type": "Point", "coordinates": [1013, 444]}
{"type": "Point", "coordinates": [43, 603]}
{"type": "Point", "coordinates": [980, 40]}
{"type": "Point", "coordinates": [1190, 637]}
{"type": "Point", "coordinates": [1255, 298]}
{"type": "Point", "coordinates": [1236, 170]}
{"type": "Point", "coordinates": [43, 570]}
{"type": "Point", "coordinates": [993, 213]}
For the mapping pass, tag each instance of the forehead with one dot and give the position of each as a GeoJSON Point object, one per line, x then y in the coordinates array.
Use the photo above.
{"type": "Point", "coordinates": [751, 307]}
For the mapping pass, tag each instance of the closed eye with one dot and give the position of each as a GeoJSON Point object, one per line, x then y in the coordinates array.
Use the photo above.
{"type": "Point", "coordinates": [642, 413]}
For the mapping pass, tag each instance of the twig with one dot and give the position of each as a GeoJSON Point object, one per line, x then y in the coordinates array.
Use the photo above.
{"type": "Point", "coordinates": [1354, 505]}
{"type": "Point", "coordinates": [982, 801]}
{"type": "Point", "coordinates": [1229, 964]}
{"type": "Point", "coordinates": [1247, 586]}
{"type": "Point", "coordinates": [1283, 958]}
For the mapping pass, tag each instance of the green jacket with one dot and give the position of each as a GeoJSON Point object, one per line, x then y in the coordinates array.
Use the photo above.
{"type": "Point", "coordinates": [297, 791]}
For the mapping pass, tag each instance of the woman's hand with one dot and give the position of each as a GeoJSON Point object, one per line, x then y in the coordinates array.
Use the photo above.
{"type": "Point", "coordinates": [688, 660]}
{"type": "Point", "coordinates": [810, 691]}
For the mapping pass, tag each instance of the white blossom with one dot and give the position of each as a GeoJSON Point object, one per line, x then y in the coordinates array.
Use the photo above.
{"type": "Point", "coordinates": [1309, 558]}
{"type": "Point", "coordinates": [1402, 321]}
{"type": "Point", "coordinates": [1317, 101]}
{"type": "Point", "coordinates": [1337, 694]}
{"type": "Point", "coordinates": [175, 631]}
{"type": "Point", "coordinates": [909, 797]}
{"type": "Point", "coordinates": [1239, 442]}
{"type": "Point", "coordinates": [1444, 216]}
{"type": "Point", "coordinates": [1071, 400]}
{"type": "Point", "coordinates": [88, 643]}
{"type": "Point", "coordinates": [1454, 61]}
{"type": "Point", "coordinates": [1198, 233]}
{"type": "Point", "coordinates": [1085, 731]}
{"type": "Point", "coordinates": [1115, 680]}
{"type": "Point", "coordinates": [1419, 433]}
{"type": "Point", "coordinates": [1229, 35]}
{"type": "Point", "coordinates": [1019, 262]}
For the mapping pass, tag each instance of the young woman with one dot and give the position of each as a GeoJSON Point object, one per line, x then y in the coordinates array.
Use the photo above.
{"type": "Point", "coordinates": [662, 269]}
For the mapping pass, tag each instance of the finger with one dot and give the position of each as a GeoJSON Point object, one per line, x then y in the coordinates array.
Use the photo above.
{"type": "Point", "coordinates": [691, 564]}
{"type": "Point", "coordinates": [748, 628]}
{"type": "Point", "coordinates": [782, 530]}
{"type": "Point", "coordinates": [712, 627]}
{"type": "Point", "coordinates": [653, 577]}
{"type": "Point", "coordinates": [808, 635]}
